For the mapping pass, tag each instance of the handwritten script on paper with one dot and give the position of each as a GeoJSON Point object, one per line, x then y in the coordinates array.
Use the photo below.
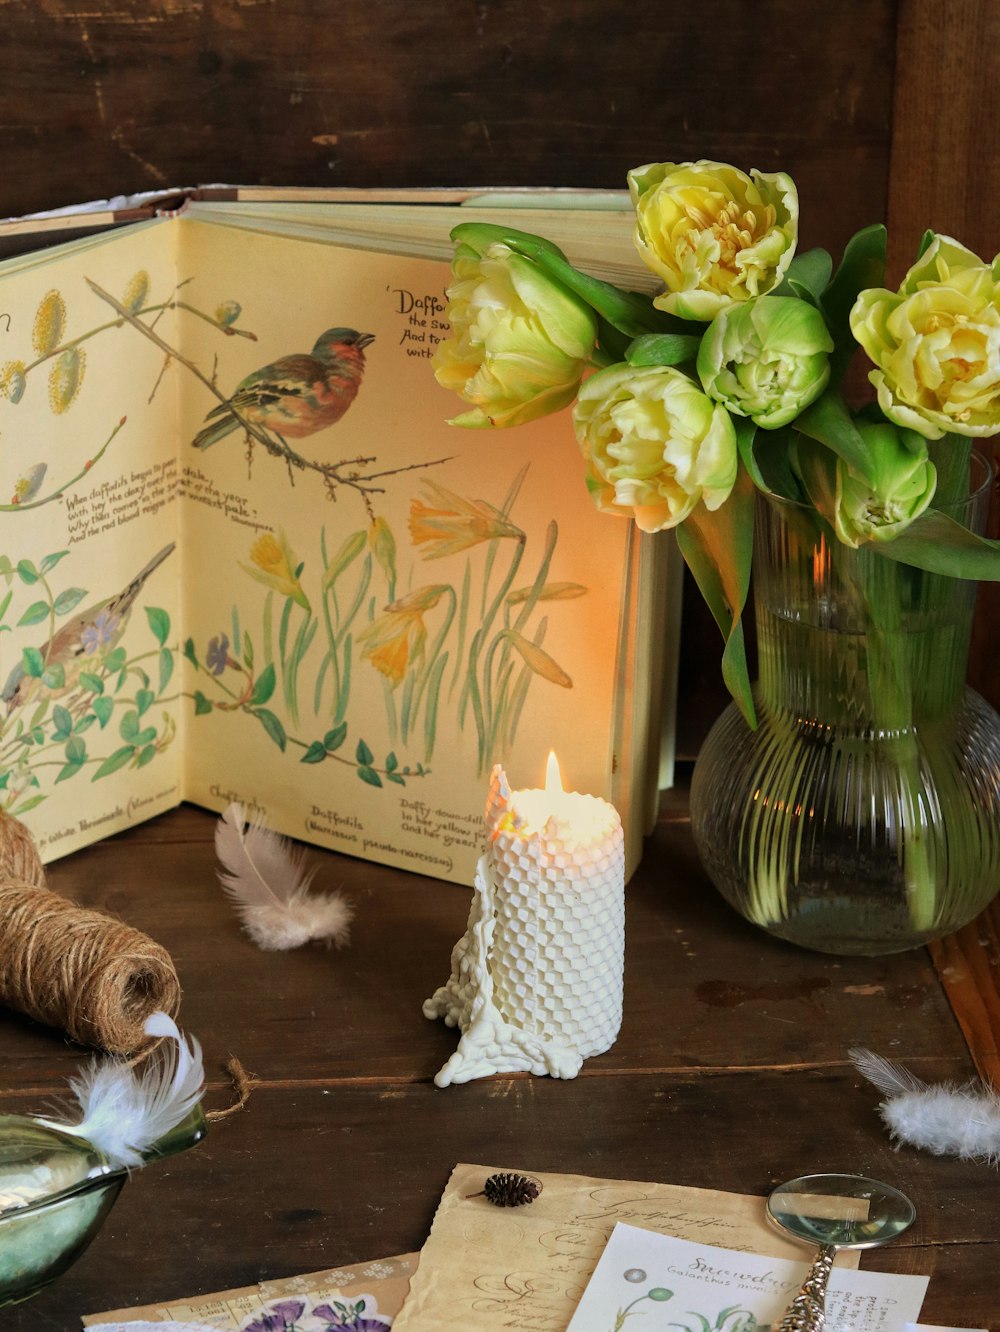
{"type": "Point", "coordinates": [527, 1267]}
{"type": "Point", "coordinates": [684, 1283]}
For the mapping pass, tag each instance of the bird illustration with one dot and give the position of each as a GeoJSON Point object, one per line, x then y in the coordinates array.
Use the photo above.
{"type": "Point", "coordinates": [295, 395]}
{"type": "Point", "coordinates": [76, 644]}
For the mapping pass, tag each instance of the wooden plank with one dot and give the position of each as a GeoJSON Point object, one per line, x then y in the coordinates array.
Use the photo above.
{"type": "Point", "coordinates": [703, 989]}
{"type": "Point", "coordinates": [310, 1177]}
{"type": "Point", "coordinates": [968, 963]}
{"type": "Point", "coordinates": [945, 146]}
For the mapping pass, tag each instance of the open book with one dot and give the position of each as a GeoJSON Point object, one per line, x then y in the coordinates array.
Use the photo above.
{"type": "Point", "coordinates": [343, 624]}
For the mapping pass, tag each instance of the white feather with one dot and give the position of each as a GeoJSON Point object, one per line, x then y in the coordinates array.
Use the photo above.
{"type": "Point", "coordinates": [123, 1112]}
{"type": "Point", "coordinates": [950, 1119]}
{"type": "Point", "coordinates": [268, 879]}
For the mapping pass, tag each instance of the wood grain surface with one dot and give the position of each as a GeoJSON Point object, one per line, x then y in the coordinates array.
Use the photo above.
{"type": "Point", "coordinates": [731, 1072]}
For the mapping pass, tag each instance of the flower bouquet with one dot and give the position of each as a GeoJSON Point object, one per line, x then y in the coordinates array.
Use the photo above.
{"type": "Point", "coordinates": [851, 799]}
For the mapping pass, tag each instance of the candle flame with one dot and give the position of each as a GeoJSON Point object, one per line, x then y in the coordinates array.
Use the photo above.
{"type": "Point", "coordinates": [553, 777]}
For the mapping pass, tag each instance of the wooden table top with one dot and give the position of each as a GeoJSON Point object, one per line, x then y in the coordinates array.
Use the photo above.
{"type": "Point", "coordinates": [731, 1072]}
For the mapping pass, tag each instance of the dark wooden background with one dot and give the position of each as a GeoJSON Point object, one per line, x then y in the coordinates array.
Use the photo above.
{"type": "Point", "coordinates": [880, 109]}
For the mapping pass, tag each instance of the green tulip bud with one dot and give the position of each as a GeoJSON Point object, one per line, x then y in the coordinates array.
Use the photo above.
{"type": "Point", "coordinates": [655, 446]}
{"type": "Point", "coordinates": [520, 343]}
{"type": "Point", "coordinates": [766, 359]}
{"type": "Point", "coordinates": [903, 484]}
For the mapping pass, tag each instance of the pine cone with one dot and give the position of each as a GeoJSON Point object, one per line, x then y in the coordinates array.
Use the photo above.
{"type": "Point", "coordinates": [508, 1190]}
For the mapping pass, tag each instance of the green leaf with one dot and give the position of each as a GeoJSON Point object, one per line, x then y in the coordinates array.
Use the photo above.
{"type": "Point", "coordinates": [809, 274]}
{"type": "Point", "coordinates": [117, 760]}
{"type": "Point", "coordinates": [76, 750]}
{"type": "Point", "coordinates": [5, 603]}
{"type": "Point", "coordinates": [248, 651]}
{"type": "Point", "coordinates": [144, 700]}
{"type": "Point", "coordinates": [718, 549]}
{"type": "Point", "coordinates": [159, 622]}
{"type": "Point", "coordinates": [65, 601]}
{"type": "Point", "coordinates": [926, 241]}
{"type": "Point", "coordinates": [626, 311]}
{"type": "Point", "coordinates": [613, 344]}
{"type": "Point", "coordinates": [263, 686]}
{"type": "Point", "coordinates": [316, 753]}
{"type": "Point", "coordinates": [92, 683]}
{"type": "Point", "coordinates": [391, 762]}
{"type": "Point", "coordinates": [54, 676]}
{"type": "Point", "coordinates": [50, 561]}
{"type": "Point", "coordinates": [272, 726]}
{"type": "Point", "coordinates": [27, 572]}
{"type": "Point", "coordinates": [84, 723]}
{"type": "Point", "coordinates": [115, 660]}
{"type": "Point", "coordinates": [33, 662]}
{"type": "Point", "coordinates": [166, 667]}
{"type": "Point", "coordinates": [369, 775]}
{"type": "Point", "coordinates": [939, 544]}
{"type": "Point", "coordinates": [395, 777]}
{"type": "Point", "coordinates": [363, 754]}
{"type": "Point", "coordinates": [335, 738]}
{"type": "Point", "coordinates": [147, 754]}
{"type": "Point", "coordinates": [862, 266]}
{"type": "Point", "coordinates": [829, 421]}
{"type": "Point", "coordinates": [63, 719]}
{"type": "Point", "coordinates": [202, 705]}
{"type": "Point", "coordinates": [746, 432]}
{"type": "Point", "coordinates": [25, 805]}
{"type": "Point", "coordinates": [102, 709]}
{"type": "Point", "coordinates": [36, 613]}
{"type": "Point", "coordinates": [663, 349]}
{"type": "Point", "coordinates": [190, 653]}
{"type": "Point", "coordinates": [349, 551]}
{"type": "Point", "coordinates": [128, 728]}
{"type": "Point", "coordinates": [68, 770]}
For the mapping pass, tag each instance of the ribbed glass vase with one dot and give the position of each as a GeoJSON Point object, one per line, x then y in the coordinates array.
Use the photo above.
{"type": "Point", "coordinates": [863, 814]}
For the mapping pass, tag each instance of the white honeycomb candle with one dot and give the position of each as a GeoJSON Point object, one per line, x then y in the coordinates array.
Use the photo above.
{"type": "Point", "coordinates": [536, 981]}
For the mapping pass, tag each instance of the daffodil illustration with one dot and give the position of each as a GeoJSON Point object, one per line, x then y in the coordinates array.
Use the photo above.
{"type": "Point", "coordinates": [274, 564]}
{"type": "Point", "coordinates": [450, 523]}
{"type": "Point", "coordinates": [396, 638]}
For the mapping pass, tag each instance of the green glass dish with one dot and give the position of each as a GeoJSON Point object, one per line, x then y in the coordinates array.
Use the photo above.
{"type": "Point", "coordinates": [55, 1192]}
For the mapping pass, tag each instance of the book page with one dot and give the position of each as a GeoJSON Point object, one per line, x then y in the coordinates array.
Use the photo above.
{"type": "Point", "coordinates": [89, 559]}
{"type": "Point", "coordinates": [378, 606]}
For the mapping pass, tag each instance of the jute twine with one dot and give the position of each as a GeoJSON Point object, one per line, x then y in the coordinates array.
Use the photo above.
{"type": "Point", "coordinates": [70, 967]}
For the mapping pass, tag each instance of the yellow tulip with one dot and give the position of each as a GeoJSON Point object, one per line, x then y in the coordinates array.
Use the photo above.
{"type": "Point", "coordinates": [936, 343]}
{"type": "Point", "coordinates": [655, 445]}
{"type": "Point", "coordinates": [714, 234]}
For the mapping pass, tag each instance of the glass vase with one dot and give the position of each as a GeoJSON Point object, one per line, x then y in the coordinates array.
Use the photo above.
{"type": "Point", "coordinates": [863, 814]}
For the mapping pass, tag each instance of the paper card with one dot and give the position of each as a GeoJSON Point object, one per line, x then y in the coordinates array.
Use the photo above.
{"type": "Point", "coordinates": [526, 1267]}
{"type": "Point", "coordinates": [381, 1283]}
{"type": "Point", "coordinates": [935, 1327]}
{"type": "Point", "coordinates": [689, 1286]}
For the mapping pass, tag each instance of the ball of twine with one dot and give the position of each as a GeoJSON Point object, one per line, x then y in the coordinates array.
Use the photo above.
{"type": "Point", "coordinates": [70, 967]}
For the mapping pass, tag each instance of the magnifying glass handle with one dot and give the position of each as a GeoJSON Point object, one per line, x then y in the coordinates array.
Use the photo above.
{"type": "Point", "coordinates": [807, 1311]}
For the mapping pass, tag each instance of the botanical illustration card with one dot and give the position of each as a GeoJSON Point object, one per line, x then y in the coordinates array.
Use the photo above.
{"type": "Point", "coordinates": [363, 1297]}
{"type": "Point", "coordinates": [695, 1287]}
{"type": "Point", "coordinates": [527, 1267]}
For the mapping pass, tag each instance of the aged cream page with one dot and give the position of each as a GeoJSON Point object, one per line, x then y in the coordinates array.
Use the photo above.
{"type": "Point", "coordinates": [89, 559]}
{"type": "Point", "coordinates": [378, 604]}
{"type": "Point", "coordinates": [526, 1267]}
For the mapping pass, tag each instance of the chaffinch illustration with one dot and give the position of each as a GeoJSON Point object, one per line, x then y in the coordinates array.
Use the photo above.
{"type": "Point", "coordinates": [79, 644]}
{"type": "Point", "coordinates": [296, 395]}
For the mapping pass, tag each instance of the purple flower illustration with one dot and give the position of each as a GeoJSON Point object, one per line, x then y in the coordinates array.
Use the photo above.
{"type": "Point", "coordinates": [217, 656]}
{"type": "Point", "coordinates": [282, 1317]}
{"type": "Point", "coordinates": [100, 631]}
{"type": "Point", "coordinates": [346, 1321]}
